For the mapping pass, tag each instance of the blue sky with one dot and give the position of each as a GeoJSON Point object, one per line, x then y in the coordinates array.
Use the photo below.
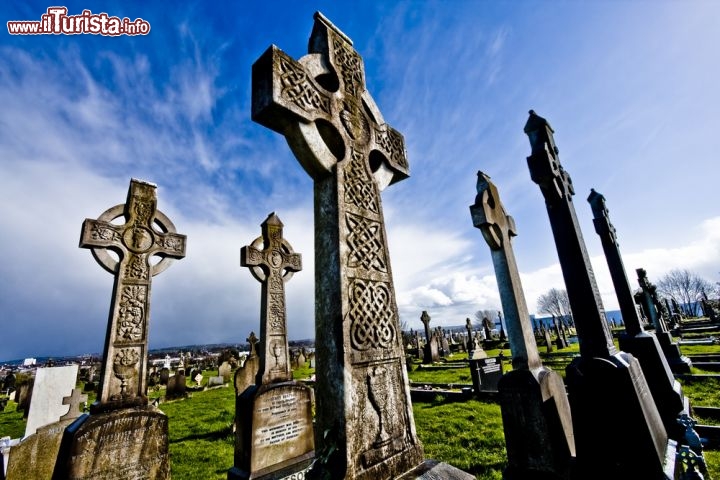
{"type": "Point", "coordinates": [630, 88]}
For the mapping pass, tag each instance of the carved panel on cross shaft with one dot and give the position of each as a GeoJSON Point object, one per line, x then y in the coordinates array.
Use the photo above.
{"type": "Point", "coordinates": [142, 211]}
{"type": "Point", "coordinates": [372, 321]}
{"type": "Point", "coordinates": [360, 190]}
{"type": "Point", "coordinates": [366, 247]}
{"type": "Point", "coordinates": [170, 242]}
{"type": "Point", "coordinates": [276, 311]}
{"type": "Point", "coordinates": [136, 268]}
{"type": "Point", "coordinates": [131, 319]}
{"type": "Point", "coordinates": [296, 88]}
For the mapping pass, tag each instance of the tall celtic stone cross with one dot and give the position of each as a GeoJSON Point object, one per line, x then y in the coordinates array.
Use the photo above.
{"type": "Point", "coordinates": [608, 237]}
{"type": "Point", "coordinates": [556, 186]}
{"type": "Point", "coordinates": [498, 228]}
{"type": "Point", "coordinates": [331, 123]}
{"type": "Point", "coordinates": [147, 232]}
{"type": "Point", "coordinates": [272, 266]}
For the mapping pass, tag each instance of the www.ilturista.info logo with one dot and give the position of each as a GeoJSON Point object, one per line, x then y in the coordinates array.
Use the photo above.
{"type": "Point", "coordinates": [57, 22]}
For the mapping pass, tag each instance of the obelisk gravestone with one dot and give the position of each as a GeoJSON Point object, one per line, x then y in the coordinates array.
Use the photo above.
{"type": "Point", "coordinates": [274, 437]}
{"type": "Point", "coordinates": [124, 437]}
{"type": "Point", "coordinates": [535, 409]}
{"type": "Point", "coordinates": [602, 375]}
{"type": "Point", "coordinates": [322, 107]}
{"type": "Point", "coordinates": [644, 345]}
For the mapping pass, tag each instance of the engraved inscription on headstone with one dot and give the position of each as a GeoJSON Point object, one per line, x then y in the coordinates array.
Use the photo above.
{"type": "Point", "coordinates": [147, 232]}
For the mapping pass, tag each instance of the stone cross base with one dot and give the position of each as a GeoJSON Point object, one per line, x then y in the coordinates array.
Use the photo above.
{"type": "Point", "coordinates": [678, 362]}
{"type": "Point", "coordinates": [618, 431]}
{"type": "Point", "coordinates": [538, 425]}
{"type": "Point", "coordinates": [666, 391]}
{"type": "Point", "coordinates": [128, 443]}
{"type": "Point", "coordinates": [434, 470]}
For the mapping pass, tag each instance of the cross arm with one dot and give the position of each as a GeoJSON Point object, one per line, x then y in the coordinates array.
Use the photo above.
{"type": "Point", "coordinates": [489, 215]}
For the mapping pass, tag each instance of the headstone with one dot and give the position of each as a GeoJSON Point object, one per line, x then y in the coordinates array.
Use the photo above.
{"type": "Point", "coordinates": [124, 437]}
{"type": "Point", "coordinates": [274, 436]}
{"type": "Point", "coordinates": [643, 345]}
{"type": "Point", "coordinates": [486, 374]}
{"type": "Point", "coordinates": [164, 376]}
{"type": "Point", "coordinates": [535, 410]}
{"type": "Point", "coordinates": [487, 327]}
{"type": "Point", "coordinates": [23, 394]}
{"type": "Point", "coordinates": [51, 385]}
{"type": "Point", "coordinates": [215, 381]}
{"type": "Point", "coordinates": [444, 344]}
{"type": "Point", "coordinates": [418, 342]}
{"type": "Point", "coordinates": [177, 386]}
{"type": "Point", "coordinates": [548, 341]}
{"type": "Point", "coordinates": [247, 373]}
{"type": "Point", "coordinates": [34, 457]}
{"type": "Point", "coordinates": [601, 375]}
{"type": "Point", "coordinates": [9, 382]}
{"type": "Point", "coordinates": [651, 303]}
{"type": "Point", "coordinates": [468, 328]}
{"type": "Point", "coordinates": [225, 370]}
{"type": "Point", "coordinates": [301, 359]}
{"type": "Point", "coordinates": [430, 353]}
{"type": "Point", "coordinates": [337, 133]}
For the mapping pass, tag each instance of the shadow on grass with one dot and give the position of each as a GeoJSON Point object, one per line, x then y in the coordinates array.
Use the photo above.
{"type": "Point", "coordinates": [210, 436]}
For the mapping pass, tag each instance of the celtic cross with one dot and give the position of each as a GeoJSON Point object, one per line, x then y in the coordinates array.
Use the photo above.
{"type": "Point", "coordinates": [146, 233]}
{"type": "Point", "coordinates": [556, 186]}
{"type": "Point", "coordinates": [321, 105]}
{"type": "Point", "coordinates": [272, 266]}
{"type": "Point", "coordinates": [498, 228]}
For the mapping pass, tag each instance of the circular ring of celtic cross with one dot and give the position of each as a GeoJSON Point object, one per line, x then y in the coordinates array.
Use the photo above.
{"type": "Point", "coordinates": [110, 264]}
{"type": "Point", "coordinates": [273, 260]}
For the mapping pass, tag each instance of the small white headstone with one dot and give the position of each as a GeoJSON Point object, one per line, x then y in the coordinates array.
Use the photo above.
{"type": "Point", "coordinates": [198, 378]}
{"type": "Point", "coordinates": [52, 384]}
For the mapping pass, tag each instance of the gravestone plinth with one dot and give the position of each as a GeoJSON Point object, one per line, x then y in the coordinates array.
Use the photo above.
{"type": "Point", "coordinates": [35, 456]}
{"type": "Point", "coordinates": [609, 397]}
{"type": "Point", "coordinates": [536, 414]}
{"type": "Point", "coordinates": [121, 444]}
{"type": "Point", "coordinates": [643, 345]}
{"type": "Point", "coordinates": [277, 431]}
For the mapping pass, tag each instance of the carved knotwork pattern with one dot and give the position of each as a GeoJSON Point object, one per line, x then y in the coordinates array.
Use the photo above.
{"type": "Point", "coordinates": [350, 65]}
{"type": "Point", "coordinates": [276, 311]}
{"type": "Point", "coordinates": [391, 141]}
{"type": "Point", "coordinates": [372, 322]}
{"type": "Point", "coordinates": [360, 189]}
{"type": "Point", "coordinates": [136, 268]}
{"type": "Point", "coordinates": [105, 233]}
{"type": "Point", "coordinates": [365, 244]}
{"type": "Point", "coordinates": [126, 357]}
{"type": "Point", "coordinates": [142, 211]}
{"type": "Point", "coordinates": [131, 313]}
{"type": "Point", "coordinates": [170, 242]}
{"type": "Point", "coordinates": [297, 89]}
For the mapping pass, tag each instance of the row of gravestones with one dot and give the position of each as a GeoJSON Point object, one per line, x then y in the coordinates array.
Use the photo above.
{"type": "Point", "coordinates": [363, 400]}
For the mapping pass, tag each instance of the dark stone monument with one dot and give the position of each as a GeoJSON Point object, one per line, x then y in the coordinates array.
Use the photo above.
{"type": "Point", "coordinates": [322, 107]}
{"type": "Point", "coordinates": [486, 374]}
{"type": "Point", "coordinates": [487, 327]}
{"type": "Point", "coordinates": [601, 376]}
{"type": "Point", "coordinates": [430, 351]}
{"type": "Point", "coordinates": [164, 376]}
{"type": "Point", "coordinates": [176, 386]}
{"type": "Point", "coordinates": [124, 437]}
{"type": "Point", "coordinates": [643, 345]}
{"type": "Point", "coordinates": [274, 437]}
{"type": "Point", "coordinates": [535, 409]}
{"type": "Point", "coordinates": [651, 304]}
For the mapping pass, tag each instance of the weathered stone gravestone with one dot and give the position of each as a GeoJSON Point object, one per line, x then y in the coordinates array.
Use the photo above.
{"type": "Point", "coordinates": [164, 376]}
{"type": "Point", "coordinates": [177, 386]}
{"type": "Point", "coordinates": [602, 375]}
{"type": "Point", "coordinates": [430, 350]}
{"type": "Point", "coordinates": [51, 385]}
{"type": "Point", "coordinates": [225, 370]}
{"type": "Point", "coordinates": [535, 410]}
{"type": "Point", "coordinates": [274, 436]}
{"type": "Point", "coordinates": [651, 304]}
{"type": "Point", "coordinates": [665, 389]}
{"type": "Point", "coordinates": [215, 381]}
{"type": "Point", "coordinates": [487, 327]}
{"type": "Point", "coordinates": [124, 437]}
{"type": "Point", "coordinates": [337, 133]}
{"type": "Point", "coordinates": [246, 374]}
{"type": "Point", "coordinates": [23, 394]}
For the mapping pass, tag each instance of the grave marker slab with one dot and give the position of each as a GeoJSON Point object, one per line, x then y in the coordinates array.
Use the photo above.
{"type": "Point", "coordinates": [430, 350]}
{"type": "Point", "coordinates": [536, 413]}
{"type": "Point", "coordinates": [51, 385]}
{"type": "Point", "coordinates": [274, 435]}
{"type": "Point", "coordinates": [322, 107]}
{"type": "Point", "coordinates": [247, 373]}
{"type": "Point", "coordinates": [601, 376]}
{"type": "Point", "coordinates": [225, 370]}
{"type": "Point", "coordinates": [35, 456]}
{"type": "Point", "coordinates": [666, 391]}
